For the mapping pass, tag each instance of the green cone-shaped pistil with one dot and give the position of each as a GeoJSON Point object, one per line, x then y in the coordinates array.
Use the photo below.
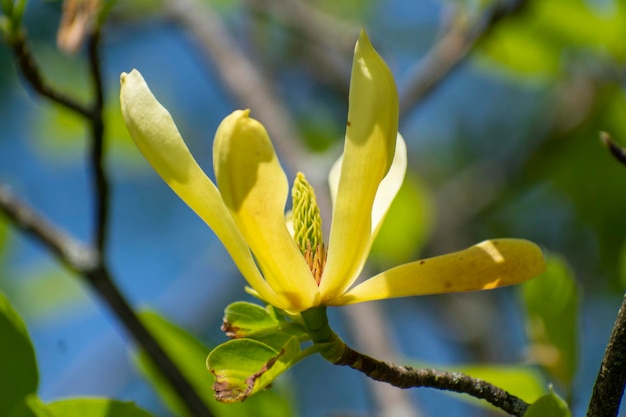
{"type": "Point", "coordinates": [307, 225]}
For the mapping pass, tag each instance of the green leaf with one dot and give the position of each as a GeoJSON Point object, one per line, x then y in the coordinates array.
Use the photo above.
{"type": "Point", "coordinates": [243, 319]}
{"type": "Point", "coordinates": [407, 226]}
{"type": "Point", "coordinates": [44, 291]}
{"type": "Point", "coordinates": [190, 357]}
{"type": "Point", "coordinates": [95, 407]}
{"type": "Point", "coordinates": [551, 302]}
{"type": "Point", "coordinates": [550, 405]}
{"type": "Point", "coordinates": [550, 34]}
{"type": "Point", "coordinates": [32, 406]}
{"type": "Point", "coordinates": [243, 367]}
{"type": "Point", "coordinates": [18, 364]}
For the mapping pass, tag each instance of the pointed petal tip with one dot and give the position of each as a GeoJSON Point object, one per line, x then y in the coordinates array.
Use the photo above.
{"type": "Point", "coordinates": [133, 75]}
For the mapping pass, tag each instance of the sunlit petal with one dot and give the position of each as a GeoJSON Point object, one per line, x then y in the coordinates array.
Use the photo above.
{"type": "Point", "coordinates": [487, 265]}
{"type": "Point", "coordinates": [255, 189]}
{"type": "Point", "coordinates": [368, 153]}
{"type": "Point", "coordinates": [157, 137]}
{"type": "Point", "coordinates": [389, 187]}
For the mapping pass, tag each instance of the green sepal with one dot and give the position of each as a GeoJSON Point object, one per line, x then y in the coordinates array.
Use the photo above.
{"type": "Point", "coordinates": [551, 303]}
{"type": "Point", "coordinates": [243, 367]}
{"type": "Point", "coordinates": [549, 405]}
{"type": "Point", "coordinates": [248, 320]}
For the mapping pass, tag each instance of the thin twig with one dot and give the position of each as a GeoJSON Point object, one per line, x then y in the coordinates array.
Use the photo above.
{"type": "Point", "coordinates": [100, 182]}
{"type": "Point", "coordinates": [32, 75]}
{"type": "Point", "coordinates": [239, 74]}
{"type": "Point", "coordinates": [450, 51]}
{"type": "Point", "coordinates": [87, 263]}
{"type": "Point", "coordinates": [324, 41]}
{"type": "Point", "coordinates": [617, 151]}
{"type": "Point", "coordinates": [408, 377]}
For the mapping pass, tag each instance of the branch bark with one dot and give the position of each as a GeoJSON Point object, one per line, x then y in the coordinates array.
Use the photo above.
{"type": "Point", "coordinates": [409, 377]}
{"type": "Point", "coordinates": [99, 177]}
{"type": "Point", "coordinates": [29, 69]}
{"type": "Point", "coordinates": [87, 263]}
{"type": "Point", "coordinates": [449, 52]}
{"type": "Point", "coordinates": [609, 387]}
{"type": "Point", "coordinates": [239, 74]}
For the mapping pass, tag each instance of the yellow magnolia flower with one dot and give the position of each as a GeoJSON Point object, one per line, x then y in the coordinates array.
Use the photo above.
{"type": "Point", "coordinates": [247, 208]}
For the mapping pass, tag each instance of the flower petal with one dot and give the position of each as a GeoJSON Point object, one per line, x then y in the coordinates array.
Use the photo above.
{"type": "Point", "coordinates": [255, 188]}
{"type": "Point", "coordinates": [387, 190]}
{"type": "Point", "coordinates": [489, 264]}
{"type": "Point", "coordinates": [368, 153]}
{"type": "Point", "coordinates": [155, 134]}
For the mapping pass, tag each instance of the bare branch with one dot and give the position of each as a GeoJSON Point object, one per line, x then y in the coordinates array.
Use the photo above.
{"type": "Point", "coordinates": [30, 71]}
{"type": "Point", "coordinates": [609, 387]}
{"type": "Point", "coordinates": [617, 151]}
{"type": "Point", "coordinates": [100, 182]}
{"type": "Point", "coordinates": [325, 42]}
{"type": "Point", "coordinates": [449, 52]}
{"type": "Point", "coordinates": [408, 377]}
{"type": "Point", "coordinates": [239, 74]}
{"type": "Point", "coordinates": [87, 263]}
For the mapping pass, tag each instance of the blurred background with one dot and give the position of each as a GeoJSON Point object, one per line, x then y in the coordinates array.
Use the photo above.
{"type": "Point", "coordinates": [501, 113]}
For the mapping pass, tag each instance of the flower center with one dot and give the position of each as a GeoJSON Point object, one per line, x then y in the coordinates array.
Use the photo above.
{"type": "Point", "coordinates": [307, 226]}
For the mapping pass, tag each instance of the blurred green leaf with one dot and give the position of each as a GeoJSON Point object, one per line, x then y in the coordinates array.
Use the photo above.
{"type": "Point", "coordinates": [95, 407]}
{"type": "Point", "coordinates": [242, 367]}
{"type": "Point", "coordinates": [516, 49]}
{"type": "Point", "coordinates": [407, 226]}
{"type": "Point", "coordinates": [548, 33]}
{"type": "Point", "coordinates": [622, 266]}
{"type": "Point", "coordinates": [30, 406]}
{"type": "Point", "coordinates": [551, 302]}
{"type": "Point", "coordinates": [45, 291]}
{"type": "Point", "coordinates": [190, 356]}
{"type": "Point", "coordinates": [550, 405]}
{"type": "Point", "coordinates": [4, 236]}
{"type": "Point", "coordinates": [18, 365]}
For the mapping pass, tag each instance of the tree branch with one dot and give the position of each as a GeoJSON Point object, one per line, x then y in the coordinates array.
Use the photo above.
{"type": "Point", "coordinates": [86, 262]}
{"type": "Point", "coordinates": [617, 151]}
{"type": "Point", "coordinates": [239, 74]}
{"type": "Point", "coordinates": [609, 387]}
{"type": "Point", "coordinates": [28, 67]}
{"type": "Point", "coordinates": [100, 182]}
{"type": "Point", "coordinates": [450, 51]}
{"type": "Point", "coordinates": [408, 377]}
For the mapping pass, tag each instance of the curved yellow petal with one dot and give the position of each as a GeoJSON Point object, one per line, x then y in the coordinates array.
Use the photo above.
{"type": "Point", "coordinates": [255, 188]}
{"type": "Point", "coordinates": [368, 153]}
{"type": "Point", "coordinates": [155, 134]}
{"type": "Point", "coordinates": [487, 265]}
{"type": "Point", "coordinates": [389, 186]}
